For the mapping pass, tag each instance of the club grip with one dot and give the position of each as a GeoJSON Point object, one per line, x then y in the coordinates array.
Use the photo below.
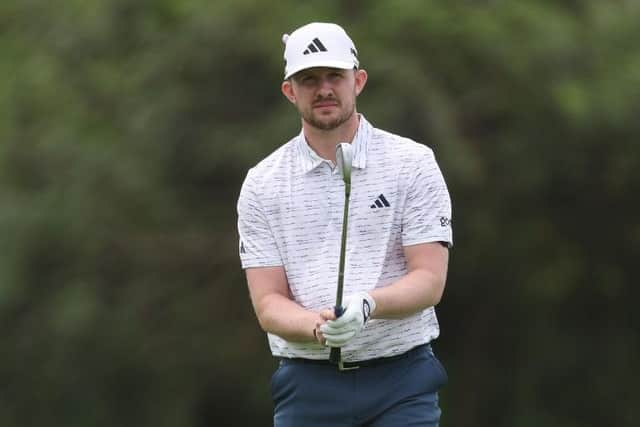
{"type": "Point", "coordinates": [335, 355]}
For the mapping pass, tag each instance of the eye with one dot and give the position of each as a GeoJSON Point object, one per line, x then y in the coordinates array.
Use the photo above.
{"type": "Point", "coordinates": [307, 80]}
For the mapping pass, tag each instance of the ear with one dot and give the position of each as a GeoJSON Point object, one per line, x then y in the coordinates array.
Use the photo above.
{"type": "Point", "coordinates": [360, 80]}
{"type": "Point", "coordinates": [287, 90]}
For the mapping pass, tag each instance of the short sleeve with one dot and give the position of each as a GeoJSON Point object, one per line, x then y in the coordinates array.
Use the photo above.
{"type": "Point", "coordinates": [427, 212]}
{"type": "Point", "coordinates": [257, 244]}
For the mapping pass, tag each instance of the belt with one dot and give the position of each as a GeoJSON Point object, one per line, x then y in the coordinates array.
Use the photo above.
{"type": "Point", "coordinates": [347, 366]}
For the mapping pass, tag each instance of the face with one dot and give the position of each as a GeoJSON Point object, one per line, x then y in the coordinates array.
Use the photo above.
{"type": "Point", "coordinates": [325, 97]}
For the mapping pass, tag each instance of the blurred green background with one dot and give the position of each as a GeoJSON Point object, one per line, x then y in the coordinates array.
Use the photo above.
{"type": "Point", "coordinates": [127, 127]}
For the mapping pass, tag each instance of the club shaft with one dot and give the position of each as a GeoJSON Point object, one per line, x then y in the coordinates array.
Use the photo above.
{"type": "Point", "coordinates": [343, 246]}
{"type": "Point", "coordinates": [335, 355]}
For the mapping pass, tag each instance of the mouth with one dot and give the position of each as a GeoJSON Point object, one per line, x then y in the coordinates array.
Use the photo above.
{"type": "Point", "coordinates": [325, 104]}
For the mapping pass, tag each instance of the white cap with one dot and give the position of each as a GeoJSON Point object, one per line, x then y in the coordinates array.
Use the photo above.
{"type": "Point", "coordinates": [318, 45]}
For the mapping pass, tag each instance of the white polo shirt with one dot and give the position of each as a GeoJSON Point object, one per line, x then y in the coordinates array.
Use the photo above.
{"type": "Point", "coordinates": [290, 213]}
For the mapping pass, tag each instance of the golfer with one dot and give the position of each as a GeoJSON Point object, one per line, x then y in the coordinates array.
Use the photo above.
{"type": "Point", "coordinates": [290, 220]}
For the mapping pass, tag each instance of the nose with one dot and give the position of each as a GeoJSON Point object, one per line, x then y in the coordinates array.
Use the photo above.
{"type": "Point", "coordinates": [325, 86]}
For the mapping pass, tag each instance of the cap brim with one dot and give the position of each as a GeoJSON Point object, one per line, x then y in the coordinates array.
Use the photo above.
{"type": "Point", "coordinates": [344, 65]}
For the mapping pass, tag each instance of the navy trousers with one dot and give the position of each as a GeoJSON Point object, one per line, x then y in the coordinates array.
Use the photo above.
{"type": "Point", "coordinates": [402, 392]}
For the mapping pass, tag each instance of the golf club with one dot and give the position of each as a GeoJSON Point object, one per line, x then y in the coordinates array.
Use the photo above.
{"type": "Point", "coordinates": [344, 158]}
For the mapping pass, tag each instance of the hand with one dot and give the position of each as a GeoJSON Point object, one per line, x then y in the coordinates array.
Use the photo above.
{"type": "Point", "coordinates": [358, 308]}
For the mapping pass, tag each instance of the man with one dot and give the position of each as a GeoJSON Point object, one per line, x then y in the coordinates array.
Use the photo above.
{"type": "Point", "coordinates": [399, 233]}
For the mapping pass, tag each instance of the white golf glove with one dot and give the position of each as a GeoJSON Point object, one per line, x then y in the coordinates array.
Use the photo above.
{"type": "Point", "coordinates": [358, 308]}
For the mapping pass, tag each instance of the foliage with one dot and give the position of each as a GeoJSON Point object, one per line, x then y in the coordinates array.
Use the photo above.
{"type": "Point", "coordinates": [127, 129]}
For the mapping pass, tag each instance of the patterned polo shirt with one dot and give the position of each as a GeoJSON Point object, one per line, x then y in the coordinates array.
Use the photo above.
{"type": "Point", "coordinates": [290, 214]}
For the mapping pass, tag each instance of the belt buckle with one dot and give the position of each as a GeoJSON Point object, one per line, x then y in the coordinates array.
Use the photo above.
{"type": "Point", "coordinates": [341, 367]}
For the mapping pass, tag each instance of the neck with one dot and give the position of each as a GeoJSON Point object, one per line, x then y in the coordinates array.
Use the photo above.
{"type": "Point", "coordinates": [324, 142]}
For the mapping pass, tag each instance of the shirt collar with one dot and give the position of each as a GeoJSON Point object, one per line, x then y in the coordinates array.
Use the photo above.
{"type": "Point", "coordinates": [310, 160]}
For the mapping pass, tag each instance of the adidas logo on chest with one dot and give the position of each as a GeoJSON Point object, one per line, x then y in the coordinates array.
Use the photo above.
{"type": "Point", "coordinates": [380, 202]}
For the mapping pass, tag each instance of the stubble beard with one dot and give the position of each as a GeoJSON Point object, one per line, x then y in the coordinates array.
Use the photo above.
{"type": "Point", "coordinates": [318, 123]}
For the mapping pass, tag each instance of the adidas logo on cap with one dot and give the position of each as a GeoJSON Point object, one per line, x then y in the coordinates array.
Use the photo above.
{"type": "Point", "coordinates": [315, 46]}
{"type": "Point", "coordinates": [318, 45]}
